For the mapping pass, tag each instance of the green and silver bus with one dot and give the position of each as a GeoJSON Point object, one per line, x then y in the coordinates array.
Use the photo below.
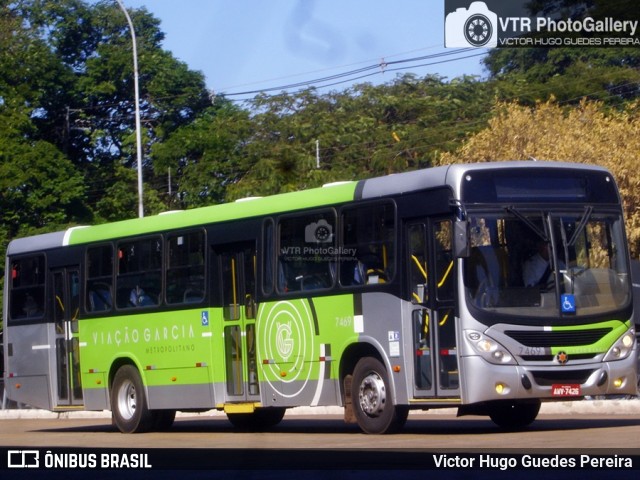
{"type": "Point", "coordinates": [385, 295]}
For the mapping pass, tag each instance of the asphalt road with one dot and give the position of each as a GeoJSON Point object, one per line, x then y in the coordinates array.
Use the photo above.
{"type": "Point", "coordinates": [303, 441]}
{"type": "Point", "coordinates": [611, 424]}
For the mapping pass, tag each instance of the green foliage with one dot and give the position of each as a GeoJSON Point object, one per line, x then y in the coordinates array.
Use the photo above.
{"type": "Point", "coordinates": [361, 132]}
{"type": "Point", "coordinates": [204, 156]}
{"type": "Point", "coordinates": [570, 73]}
{"type": "Point", "coordinates": [39, 188]}
{"type": "Point", "coordinates": [73, 69]}
{"type": "Point", "coordinates": [567, 74]}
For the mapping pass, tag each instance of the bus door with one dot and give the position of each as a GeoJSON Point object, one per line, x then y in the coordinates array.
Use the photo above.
{"type": "Point", "coordinates": [238, 267]}
{"type": "Point", "coordinates": [432, 281]}
{"type": "Point", "coordinates": [66, 354]}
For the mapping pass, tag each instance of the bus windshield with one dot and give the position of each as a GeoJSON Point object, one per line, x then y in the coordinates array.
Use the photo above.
{"type": "Point", "coordinates": [529, 263]}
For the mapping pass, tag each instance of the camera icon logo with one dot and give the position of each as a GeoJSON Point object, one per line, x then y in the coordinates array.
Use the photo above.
{"type": "Point", "coordinates": [318, 232]}
{"type": "Point", "coordinates": [472, 27]}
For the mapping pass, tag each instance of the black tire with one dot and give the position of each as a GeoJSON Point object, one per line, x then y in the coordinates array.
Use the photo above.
{"type": "Point", "coordinates": [371, 399]}
{"type": "Point", "coordinates": [163, 419]}
{"type": "Point", "coordinates": [260, 419]}
{"type": "Point", "coordinates": [514, 414]}
{"type": "Point", "coordinates": [129, 409]}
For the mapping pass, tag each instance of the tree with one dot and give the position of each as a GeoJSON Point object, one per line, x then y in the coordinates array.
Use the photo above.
{"type": "Point", "coordinates": [586, 134]}
{"type": "Point", "coordinates": [362, 132]}
{"type": "Point", "coordinates": [204, 157]}
{"type": "Point", "coordinates": [611, 75]}
{"type": "Point", "coordinates": [87, 108]}
{"type": "Point", "coordinates": [40, 188]}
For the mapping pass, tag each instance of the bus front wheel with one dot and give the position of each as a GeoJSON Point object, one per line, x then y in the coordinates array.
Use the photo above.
{"type": "Point", "coordinates": [372, 400]}
{"type": "Point", "coordinates": [128, 402]}
{"type": "Point", "coordinates": [514, 414]}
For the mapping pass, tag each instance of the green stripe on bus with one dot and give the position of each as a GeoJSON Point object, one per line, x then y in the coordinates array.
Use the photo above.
{"type": "Point", "coordinates": [286, 202]}
{"type": "Point", "coordinates": [601, 346]}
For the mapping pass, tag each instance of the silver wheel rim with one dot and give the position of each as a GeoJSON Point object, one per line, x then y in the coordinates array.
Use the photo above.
{"type": "Point", "coordinates": [127, 400]}
{"type": "Point", "coordinates": [372, 395]}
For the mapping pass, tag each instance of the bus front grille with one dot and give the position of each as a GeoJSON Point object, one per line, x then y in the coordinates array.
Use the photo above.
{"type": "Point", "coordinates": [545, 339]}
{"type": "Point", "coordinates": [551, 358]}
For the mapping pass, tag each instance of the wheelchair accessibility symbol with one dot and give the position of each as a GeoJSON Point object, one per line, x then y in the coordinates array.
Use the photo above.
{"type": "Point", "coordinates": [568, 303]}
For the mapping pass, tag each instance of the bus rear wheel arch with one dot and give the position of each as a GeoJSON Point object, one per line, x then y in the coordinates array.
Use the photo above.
{"type": "Point", "coordinates": [129, 407]}
{"type": "Point", "coordinates": [129, 410]}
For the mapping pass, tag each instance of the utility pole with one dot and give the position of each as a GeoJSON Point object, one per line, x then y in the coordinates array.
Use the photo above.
{"type": "Point", "coordinates": [137, 100]}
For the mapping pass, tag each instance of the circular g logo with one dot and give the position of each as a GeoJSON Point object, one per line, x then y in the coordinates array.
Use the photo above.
{"type": "Point", "coordinates": [288, 343]}
{"type": "Point", "coordinates": [284, 342]}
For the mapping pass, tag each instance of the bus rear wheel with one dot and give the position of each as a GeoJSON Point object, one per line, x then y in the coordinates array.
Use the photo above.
{"type": "Point", "coordinates": [514, 414]}
{"type": "Point", "coordinates": [163, 419]}
{"type": "Point", "coordinates": [371, 398]}
{"type": "Point", "coordinates": [129, 409]}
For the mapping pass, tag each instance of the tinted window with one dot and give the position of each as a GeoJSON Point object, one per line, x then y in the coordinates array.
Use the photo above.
{"type": "Point", "coordinates": [307, 252]}
{"type": "Point", "coordinates": [185, 269]}
{"type": "Point", "coordinates": [99, 278]}
{"type": "Point", "coordinates": [367, 256]}
{"type": "Point", "coordinates": [27, 287]}
{"type": "Point", "coordinates": [139, 280]}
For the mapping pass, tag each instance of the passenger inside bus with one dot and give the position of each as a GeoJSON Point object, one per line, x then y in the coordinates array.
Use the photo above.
{"type": "Point", "coordinates": [31, 307]}
{"type": "Point", "coordinates": [369, 268]}
{"type": "Point", "coordinates": [138, 298]}
{"type": "Point", "coordinates": [99, 297]}
{"type": "Point", "coordinates": [537, 269]}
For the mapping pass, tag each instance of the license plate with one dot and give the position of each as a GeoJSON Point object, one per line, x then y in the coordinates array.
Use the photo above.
{"type": "Point", "coordinates": [566, 390]}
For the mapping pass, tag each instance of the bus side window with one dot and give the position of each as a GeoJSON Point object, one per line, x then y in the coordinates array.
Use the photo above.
{"type": "Point", "coordinates": [139, 278]}
{"type": "Point", "coordinates": [367, 256]}
{"type": "Point", "coordinates": [307, 252]}
{"type": "Point", "coordinates": [185, 268]}
{"type": "Point", "coordinates": [99, 278]}
{"type": "Point", "coordinates": [27, 287]}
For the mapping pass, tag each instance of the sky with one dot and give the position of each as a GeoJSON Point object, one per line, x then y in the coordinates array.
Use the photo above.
{"type": "Point", "coordinates": [252, 45]}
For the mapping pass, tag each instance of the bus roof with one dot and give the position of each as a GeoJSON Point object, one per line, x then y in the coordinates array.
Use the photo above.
{"type": "Point", "coordinates": [452, 176]}
{"type": "Point", "coordinates": [243, 208]}
{"type": "Point", "coordinates": [256, 206]}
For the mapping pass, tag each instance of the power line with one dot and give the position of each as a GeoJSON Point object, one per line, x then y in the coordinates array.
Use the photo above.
{"type": "Point", "coordinates": [363, 72]}
{"type": "Point", "coordinates": [323, 82]}
{"type": "Point", "coordinates": [337, 67]}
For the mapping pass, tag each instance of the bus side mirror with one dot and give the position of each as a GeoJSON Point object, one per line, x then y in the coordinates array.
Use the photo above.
{"type": "Point", "coordinates": [461, 248]}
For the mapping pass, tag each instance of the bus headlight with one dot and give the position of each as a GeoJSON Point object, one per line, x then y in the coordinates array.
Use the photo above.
{"type": "Point", "coordinates": [623, 346]}
{"type": "Point", "coordinates": [489, 349]}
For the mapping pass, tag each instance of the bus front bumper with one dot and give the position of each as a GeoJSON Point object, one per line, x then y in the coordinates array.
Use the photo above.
{"type": "Point", "coordinates": [486, 382]}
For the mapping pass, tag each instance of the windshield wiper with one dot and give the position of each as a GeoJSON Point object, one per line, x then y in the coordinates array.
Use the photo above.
{"type": "Point", "coordinates": [542, 234]}
{"type": "Point", "coordinates": [580, 227]}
